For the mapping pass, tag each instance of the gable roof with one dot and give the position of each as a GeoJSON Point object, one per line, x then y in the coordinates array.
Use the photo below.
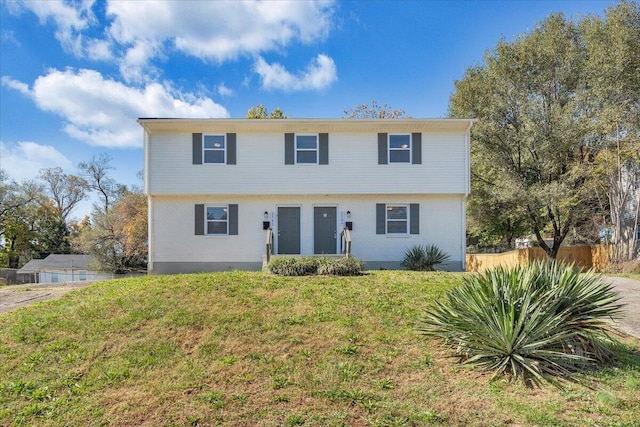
{"type": "Point", "coordinates": [58, 262]}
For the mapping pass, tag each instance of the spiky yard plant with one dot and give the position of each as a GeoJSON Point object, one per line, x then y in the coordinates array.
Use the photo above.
{"type": "Point", "coordinates": [424, 258]}
{"type": "Point", "coordinates": [532, 322]}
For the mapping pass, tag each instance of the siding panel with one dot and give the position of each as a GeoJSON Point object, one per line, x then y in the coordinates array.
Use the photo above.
{"type": "Point", "coordinates": [353, 169]}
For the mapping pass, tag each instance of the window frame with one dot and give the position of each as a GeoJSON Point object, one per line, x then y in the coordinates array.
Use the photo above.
{"type": "Point", "coordinates": [55, 277]}
{"type": "Point", "coordinates": [388, 208]}
{"type": "Point", "coordinates": [223, 149]}
{"type": "Point", "coordinates": [82, 275]}
{"type": "Point", "coordinates": [296, 150]}
{"type": "Point", "coordinates": [225, 208]}
{"type": "Point", "coordinates": [408, 149]}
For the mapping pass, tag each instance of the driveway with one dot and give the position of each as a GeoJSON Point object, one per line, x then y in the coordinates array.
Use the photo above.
{"type": "Point", "coordinates": [629, 290]}
{"type": "Point", "coordinates": [15, 296]}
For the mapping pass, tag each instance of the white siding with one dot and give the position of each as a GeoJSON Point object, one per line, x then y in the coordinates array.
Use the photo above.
{"type": "Point", "coordinates": [353, 167]}
{"type": "Point", "coordinates": [174, 239]}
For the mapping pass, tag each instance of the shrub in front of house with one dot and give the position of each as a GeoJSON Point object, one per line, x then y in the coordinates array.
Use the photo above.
{"type": "Point", "coordinates": [424, 258]}
{"type": "Point", "coordinates": [341, 267]}
{"type": "Point", "coordinates": [302, 266]}
{"type": "Point", "coordinates": [530, 322]}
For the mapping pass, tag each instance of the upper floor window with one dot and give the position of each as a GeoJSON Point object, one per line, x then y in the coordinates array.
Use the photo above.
{"type": "Point", "coordinates": [400, 148]}
{"type": "Point", "coordinates": [214, 149]}
{"type": "Point", "coordinates": [217, 220]}
{"type": "Point", "coordinates": [307, 149]}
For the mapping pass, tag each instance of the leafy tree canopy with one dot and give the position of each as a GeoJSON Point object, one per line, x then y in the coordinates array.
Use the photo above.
{"type": "Point", "coordinates": [541, 101]}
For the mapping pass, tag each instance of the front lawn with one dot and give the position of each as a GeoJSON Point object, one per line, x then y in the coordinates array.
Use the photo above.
{"type": "Point", "coordinates": [256, 349]}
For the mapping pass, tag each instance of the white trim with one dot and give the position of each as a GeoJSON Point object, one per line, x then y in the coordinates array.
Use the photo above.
{"type": "Point", "coordinates": [409, 149]}
{"type": "Point", "coordinates": [207, 221]}
{"type": "Point", "coordinates": [224, 149]}
{"type": "Point", "coordinates": [295, 148]}
{"type": "Point", "coordinates": [408, 219]}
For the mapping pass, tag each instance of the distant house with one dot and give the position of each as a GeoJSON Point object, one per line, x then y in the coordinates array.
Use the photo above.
{"type": "Point", "coordinates": [218, 189]}
{"type": "Point", "coordinates": [63, 268]}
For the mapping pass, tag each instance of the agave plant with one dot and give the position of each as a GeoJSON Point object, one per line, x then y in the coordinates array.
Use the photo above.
{"type": "Point", "coordinates": [424, 258]}
{"type": "Point", "coordinates": [530, 322]}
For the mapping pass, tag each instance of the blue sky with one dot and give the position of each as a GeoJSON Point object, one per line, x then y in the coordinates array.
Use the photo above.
{"type": "Point", "coordinates": [75, 75]}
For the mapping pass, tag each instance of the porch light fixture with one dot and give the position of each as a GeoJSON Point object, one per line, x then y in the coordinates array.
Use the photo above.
{"type": "Point", "coordinates": [348, 214]}
{"type": "Point", "coordinates": [266, 215]}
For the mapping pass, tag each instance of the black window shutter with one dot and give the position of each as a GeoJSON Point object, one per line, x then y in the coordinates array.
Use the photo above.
{"type": "Point", "coordinates": [199, 221]}
{"type": "Point", "coordinates": [416, 148]}
{"type": "Point", "coordinates": [289, 152]}
{"type": "Point", "coordinates": [381, 218]}
{"type": "Point", "coordinates": [323, 154]}
{"type": "Point", "coordinates": [197, 148]}
{"type": "Point", "coordinates": [233, 220]}
{"type": "Point", "coordinates": [382, 149]}
{"type": "Point", "coordinates": [414, 218]}
{"type": "Point", "coordinates": [231, 148]}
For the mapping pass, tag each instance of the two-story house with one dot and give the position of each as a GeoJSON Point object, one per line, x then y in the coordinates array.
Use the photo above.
{"type": "Point", "coordinates": [216, 186]}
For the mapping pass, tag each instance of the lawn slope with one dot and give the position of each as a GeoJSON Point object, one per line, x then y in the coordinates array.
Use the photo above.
{"type": "Point", "coordinates": [254, 349]}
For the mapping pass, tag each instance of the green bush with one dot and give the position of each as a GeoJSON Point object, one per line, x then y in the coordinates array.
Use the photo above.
{"type": "Point", "coordinates": [423, 258]}
{"type": "Point", "coordinates": [341, 267]}
{"type": "Point", "coordinates": [301, 266]}
{"type": "Point", "coordinates": [530, 322]}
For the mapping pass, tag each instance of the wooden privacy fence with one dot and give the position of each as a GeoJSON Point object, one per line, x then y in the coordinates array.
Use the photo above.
{"type": "Point", "coordinates": [596, 257]}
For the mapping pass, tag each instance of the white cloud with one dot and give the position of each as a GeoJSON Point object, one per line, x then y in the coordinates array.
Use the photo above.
{"type": "Point", "coordinates": [223, 90]}
{"type": "Point", "coordinates": [220, 30]}
{"type": "Point", "coordinates": [15, 84]}
{"type": "Point", "coordinates": [139, 32]}
{"type": "Point", "coordinates": [9, 36]}
{"type": "Point", "coordinates": [103, 112]}
{"type": "Point", "coordinates": [319, 74]}
{"type": "Point", "coordinates": [23, 160]}
{"type": "Point", "coordinates": [69, 18]}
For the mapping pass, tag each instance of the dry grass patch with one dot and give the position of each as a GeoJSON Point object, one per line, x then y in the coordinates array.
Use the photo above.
{"type": "Point", "coordinates": [252, 349]}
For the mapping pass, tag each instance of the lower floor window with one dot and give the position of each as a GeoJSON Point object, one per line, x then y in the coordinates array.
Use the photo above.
{"type": "Point", "coordinates": [82, 275]}
{"type": "Point", "coordinates": [54, 277]}
{"type": "Point", "coordinates": [397, 219]}
{"type": "Point", "coordinates": [217, 220]}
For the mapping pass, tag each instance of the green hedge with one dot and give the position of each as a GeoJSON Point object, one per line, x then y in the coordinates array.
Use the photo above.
{"type": "Point", "coordinates": [302, 266]}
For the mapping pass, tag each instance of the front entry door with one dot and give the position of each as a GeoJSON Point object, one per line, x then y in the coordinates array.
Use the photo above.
{"type": "Point", "coordinates": [289, 230]}
{"type": "Point", "coordinates": [324, 230]}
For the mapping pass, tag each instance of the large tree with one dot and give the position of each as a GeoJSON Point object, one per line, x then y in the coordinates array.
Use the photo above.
{"type": "Point", "coordinates": [534, 144]}
{"type": "Point", "coordinates": [117, 238]}
{"type": "Point", "coordinates": [65, 190]}
{"type": "Point", "coordinates": [613, 71]}
{"type": "Point", "coordinates": [96, 173]}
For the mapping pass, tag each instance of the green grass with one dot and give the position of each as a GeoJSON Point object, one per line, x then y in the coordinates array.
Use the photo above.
{"type": "Point", "coordinates": [256, 349]}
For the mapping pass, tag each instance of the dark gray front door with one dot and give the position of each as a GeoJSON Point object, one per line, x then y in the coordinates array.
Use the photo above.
{"type": "Point", "coordinates": [324, 230]}
{"type": "Point", "coordinates": [288, 230]}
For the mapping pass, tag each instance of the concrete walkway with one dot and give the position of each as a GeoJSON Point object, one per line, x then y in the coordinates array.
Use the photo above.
{"type": "Point", "coordinates": [629, 290]}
